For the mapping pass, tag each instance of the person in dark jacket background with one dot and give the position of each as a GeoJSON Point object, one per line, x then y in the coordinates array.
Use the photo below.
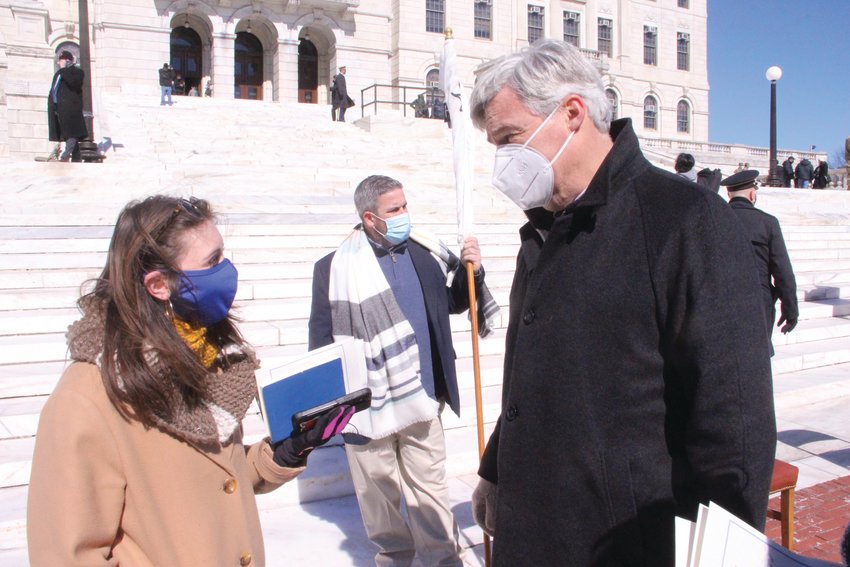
{"type": "Point", "coordinates": [637, 377]}
{"type": "Point", "coordinates": [341, 93]}
{"type": "Point", "coordinates": [788, 172]}
{"type": "Point", "coordinates": [776, 276]}
{"type": "Point", "coordinates": [803, 174]}
{"type": "Point", "coordinates": [821, 176]}
{"type": "Point", "coordinates": [65, 107]}
{"type": "Point", "coordinates": [166, 83]}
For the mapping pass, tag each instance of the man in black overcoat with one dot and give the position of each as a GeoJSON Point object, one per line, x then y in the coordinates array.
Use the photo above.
{"type": "Point", "coordinates": [637, 378]}
{"type": "Point", "coordinates": [341, 93]}
{"type": "Point", "coordinates": [776, 277]}
{"type": "Point", "coordinates": [65, 107]}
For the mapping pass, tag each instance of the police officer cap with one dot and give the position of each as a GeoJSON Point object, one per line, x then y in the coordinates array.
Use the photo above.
{"type": "Point", "coordinates": [741, 180]}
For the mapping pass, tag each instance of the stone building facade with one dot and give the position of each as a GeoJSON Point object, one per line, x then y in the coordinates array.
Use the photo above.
{"type": "Point", "coordinates": [651, 53]}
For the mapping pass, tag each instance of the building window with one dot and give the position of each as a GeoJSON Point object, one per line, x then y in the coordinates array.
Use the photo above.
{"type": "Point", "coordinates": [604, 32]}
{"type": "Point", "coordinates": [683, 3]}
{"type": "Point", "coordinates": [683, 117]}
{"type": "Point", "coordinates": [650, 45]}
{"type": "Point", "coordinates": [535, 22]}
{"type": "Point", "coordinates": [650, 113]}
{"type": "Point", "coordinates": [615, 103]}
{"type": "Point", "coordinates": [571, 27]}
{"type": "Point", "coordinates": [435, 15]}
{"type": "Point", "coordinates": [483, 18]}
{"type": "Point", "coordinates": [683, 48]}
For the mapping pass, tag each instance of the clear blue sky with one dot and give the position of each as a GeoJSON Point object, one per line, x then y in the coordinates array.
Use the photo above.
{"type": "Point", "coordinates": [810, 41]}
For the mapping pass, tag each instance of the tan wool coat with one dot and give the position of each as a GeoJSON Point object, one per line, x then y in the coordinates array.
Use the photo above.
{"type": "Point", "coordinates": [108, 491]}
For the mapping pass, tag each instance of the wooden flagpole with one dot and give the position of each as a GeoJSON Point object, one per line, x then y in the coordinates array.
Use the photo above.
{"type": "Point", "coordinates": [476, 368]}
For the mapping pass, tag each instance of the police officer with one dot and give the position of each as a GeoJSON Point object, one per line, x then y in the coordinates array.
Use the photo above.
{"type": "Point", "coordinates": [774, 266]}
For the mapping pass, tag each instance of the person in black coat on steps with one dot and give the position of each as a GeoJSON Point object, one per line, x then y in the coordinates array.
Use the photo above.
{"type": "Point", "coordinates": [65, 107]}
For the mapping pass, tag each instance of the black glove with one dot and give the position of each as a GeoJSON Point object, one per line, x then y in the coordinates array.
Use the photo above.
{"type": "Point", "coordinates": [292, 452]}
{"type": "Point", "coordinates": [789, 324]}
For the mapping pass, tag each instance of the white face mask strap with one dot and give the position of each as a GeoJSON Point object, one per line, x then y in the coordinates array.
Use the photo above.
{"type": "Point", "coordinates": [542, 124]}
{"type": "Point", "coordinates": [564, 147]}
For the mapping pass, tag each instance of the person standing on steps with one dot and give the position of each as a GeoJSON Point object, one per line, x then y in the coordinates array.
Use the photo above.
{"type": "Point", "coordinates": [166, 84]}
{"type": "Point", "coordinates": [341, 93]}
{"type": "Point", "coordinates": [385, 288]}
{"type": "Point", "coordinates": [775, 274]}
{"type": "Point", "coordinates": [65, 108]}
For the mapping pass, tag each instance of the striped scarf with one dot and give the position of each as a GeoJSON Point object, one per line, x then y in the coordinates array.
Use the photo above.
{"type": "Point", "coordinates": [488, 309]}
{"type": "Point", "coordinates": [363, 306]}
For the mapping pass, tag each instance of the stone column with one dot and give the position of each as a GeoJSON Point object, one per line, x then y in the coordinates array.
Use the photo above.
{"type": "Point", "coordinates": [223, 76]}
{"type": "Point", "coordinates": [287, 70]}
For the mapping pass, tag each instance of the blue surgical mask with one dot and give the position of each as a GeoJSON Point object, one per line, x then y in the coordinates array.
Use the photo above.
{"type": "Point", "coordinates": [523, 174]}
{"type": "Point", "coordinates": [398, 228]}
{"type": "Point", "coordinates": [205, 296]}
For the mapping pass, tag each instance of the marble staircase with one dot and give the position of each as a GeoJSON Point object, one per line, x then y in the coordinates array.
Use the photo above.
{"type": "Point", "coordinates": [282, 176]}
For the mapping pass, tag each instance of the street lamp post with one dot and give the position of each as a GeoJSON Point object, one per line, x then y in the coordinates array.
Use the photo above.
{"type": "Point", "coordinates": [88, 147]}
{"type": "Point", "coordinates": [773, 74]}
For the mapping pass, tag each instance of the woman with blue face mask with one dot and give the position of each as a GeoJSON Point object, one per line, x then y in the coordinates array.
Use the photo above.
{"type": "Point", "coordinates": [139, 458]}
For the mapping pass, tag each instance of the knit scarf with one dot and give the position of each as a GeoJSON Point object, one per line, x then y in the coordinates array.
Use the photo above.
{"type": "Point", "coordinates": [210, 424]}
{"type": "Point", "coordinates": [363, 306]}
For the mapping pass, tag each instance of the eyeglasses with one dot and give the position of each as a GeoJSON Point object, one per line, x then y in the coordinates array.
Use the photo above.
{"type": "Point", "coordinates": [187, 206]}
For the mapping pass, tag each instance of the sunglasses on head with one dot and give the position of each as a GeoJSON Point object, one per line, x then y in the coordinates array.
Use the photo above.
{"type": "Point", "coordinates": [187, 206]}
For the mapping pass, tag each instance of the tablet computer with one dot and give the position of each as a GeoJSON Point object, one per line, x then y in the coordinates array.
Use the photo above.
{"type": "Point", "coordinates": [306, 419]}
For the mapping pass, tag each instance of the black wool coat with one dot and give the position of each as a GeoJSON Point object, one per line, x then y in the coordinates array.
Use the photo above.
{"type": "Point", "coordinates": [65, 118]}
{"type": "Point", "coordinates": [775, 274]}
{"type": "Point", "coordinates": [637, 376]}
{"type": "Point", "coordinates": [341, 88]}
{"type": "Point", "coordinates": [440, 302]}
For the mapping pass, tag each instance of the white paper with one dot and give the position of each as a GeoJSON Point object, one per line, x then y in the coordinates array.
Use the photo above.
{"type": "Point", "coordinates": [720, 539]}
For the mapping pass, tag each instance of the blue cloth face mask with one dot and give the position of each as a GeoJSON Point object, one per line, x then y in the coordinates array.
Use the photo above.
{"type": "Point", "coordinates": [205, 296]}
{"type": "Point", "coordinates": [398, 228]}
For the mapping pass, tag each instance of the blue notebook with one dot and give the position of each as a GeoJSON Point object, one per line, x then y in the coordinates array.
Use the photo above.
{"type": "Point", "coordinates": [318, 377]}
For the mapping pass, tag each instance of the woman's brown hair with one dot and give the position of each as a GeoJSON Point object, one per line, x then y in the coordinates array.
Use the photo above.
{"type": "Point", "coordinates": [145, 363]}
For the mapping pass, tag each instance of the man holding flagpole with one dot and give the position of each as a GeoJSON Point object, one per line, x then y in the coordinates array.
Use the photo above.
{"type": "Point", "coordinates": [637, 374]}
{"type": "Point", "coordinates": [386, 287]}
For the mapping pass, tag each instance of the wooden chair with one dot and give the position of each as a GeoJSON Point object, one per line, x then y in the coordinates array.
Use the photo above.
{"type": "Point", "coordinates": [784, 481]}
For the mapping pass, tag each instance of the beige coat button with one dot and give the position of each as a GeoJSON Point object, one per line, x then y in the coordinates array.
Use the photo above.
{"type": "Point", "coordinates": [230, 488]}
{"type": "Point", "coordinates": [245, 559]}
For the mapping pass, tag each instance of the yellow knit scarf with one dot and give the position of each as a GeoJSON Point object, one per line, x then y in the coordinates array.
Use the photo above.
{"type": "Point", "coordinates": [196, 339]}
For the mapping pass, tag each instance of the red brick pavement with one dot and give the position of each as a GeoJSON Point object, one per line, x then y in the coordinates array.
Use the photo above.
{"type": "Point", "coordinates": [822, 513]}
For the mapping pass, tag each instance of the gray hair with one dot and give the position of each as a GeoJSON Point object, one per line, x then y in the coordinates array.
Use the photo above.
{"type": "Point", "coordinates": [543, 75]}
{"type": "Point", "coordinates": [367, 192]}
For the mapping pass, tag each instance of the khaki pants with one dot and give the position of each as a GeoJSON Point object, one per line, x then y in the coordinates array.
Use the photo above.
{"type": "Point", "coordinates": [411, 463]}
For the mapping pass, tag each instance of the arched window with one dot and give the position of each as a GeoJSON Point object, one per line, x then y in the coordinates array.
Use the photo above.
{"type": "Point", "coordinates": [615, 103]}
{"type": "Point", "coordinates": [650, 113]}
{"type": "Point", "coordinates": [248, 66]}
{"type": "Point", "coordinates": [186, 55]}
{"type": "Point", "coordinates": [683, 117]}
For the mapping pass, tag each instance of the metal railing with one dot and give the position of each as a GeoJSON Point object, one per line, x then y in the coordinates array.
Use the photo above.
{"type": "Point", "coordinates": [423, 102]}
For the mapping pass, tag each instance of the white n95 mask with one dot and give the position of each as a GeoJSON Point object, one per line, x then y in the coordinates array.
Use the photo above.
{"type": "Point", "coordinates": [523, 174]}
